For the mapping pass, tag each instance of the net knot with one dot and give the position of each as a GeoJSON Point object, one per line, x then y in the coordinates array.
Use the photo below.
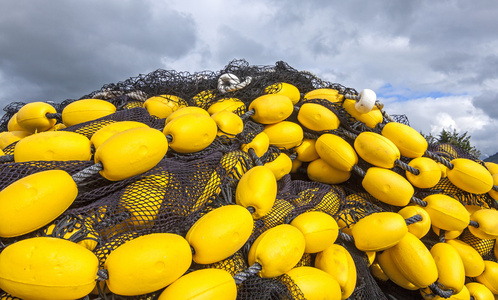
{"type": "Point", "coordinates": [229, 82]}
{"type": "Point", "coordinates": [346, 237]}
{"type": "Point", "coordinates": [102, 275]}
{"type": "Point", "coordinates": [359, 170]}
{"type": "Point", "coordinates": [251, 271]}
{"type": "Point", "coordinates": [247, 114]}
{"type": "Point", "coordinates": [442, 235]}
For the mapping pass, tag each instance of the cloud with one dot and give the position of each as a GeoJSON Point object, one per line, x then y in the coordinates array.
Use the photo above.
{"type": "Point", "coordinates": [487, 101]}
{"type": "Point", "coordinates": [418, 56]}
{"type": "Point", "coordinates": [431, 115]}
{"type": "Point", "coordinates": [69, 48]}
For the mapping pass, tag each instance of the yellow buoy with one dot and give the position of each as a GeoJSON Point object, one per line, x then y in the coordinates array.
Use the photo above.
{"type": "Point", "coordinates": [104, 133]}
{"type": "Point", "coordinates": [306, 152]}
{"type": "Point", "coordinates": [479, 291]}
{"type": "Point", "coordinates": [488, 223]}
{"type": "Point", "coordinates": [320, 230]}
{"type": "Point", "coordinates": [371, 119]}
{"type": "Point", "coordinates": [470, 176]}
{"type": "Point", "coordinates": [493, 193]}
{"type": "Point", "coordinates": [131, 152]}
{"type": "Point", "coordinates": [320, 171]}
{"type": "Point", "coordinates": [448, 234]}
{"type": "Point", "coordinates": [32, 117]}
{"type": "Point", "coordinates": [271, 108]}
{"type": "Point", "coordinates": [280, 166]}
{"type": "Point", "coordinates": [409, 141]}
{"type": "Point", "coordinates": [414, 261]}
{"type": "Point", "coordinates": [446, 212]}
{"type": "Point", "coordinates": [228, 123]}
{"type": "Point", "coordinates": [314, 283]}
{"type": "Point", "coordinates": [376, 149]}
{"type": "Point", "coordinates": [220, 233]}
{"type": "Point", "coordinates": [259, 144]}
{"type": "Point", "coordinates": [429, 173]}
{"type": "Point", "coordinates": [85, 110]}
{"type": "Point", "coordinates": [427, 294]}
{"type": "Point", "coordinates": [9, 137]}
{"type": "Point", "coordinates": [229, 104]}
{"type": "Point", "coordinates": [377, 271]}
{"type": "Point", "coordinates": [258, 189]}
{"type": "Point", "coordinates": [491, 166]}
{"type": "Point", "coordinates": [163, 105]}
{"type": "Point", "coordinates": [285, 134]}
{"type": "Point", "coordinates": [12, 124]}
{"type": "Point", "coordinates": [336, 152]}
{"type": "Point", "coordinates": [47, 268]}
{"type": "Point", "coordinates": [329, 203]}
{"type": "Point", "coordinates": [392, 271]}
{"type": "Point", "coordinates": [388, 186]}
{"type": "Point", "coordinates": [284, 88]}
{"type": "Point", "coordinates": [420, 228]}
{"type": "Point", "coordinates": [202, 284]}
{"type": "Point", "coordinates": [58, 126]}
{"type": "Point", "coordinates": [34, 201]}
{"type": "Point", "coordinates": [278, 250]}
{"type": "Point", "coordinates": [449, 266]}
{"type": "Point", "coordinates": [147, 263]}
{"type": "Point", "coordinates": [328, 94]}
{"type": "Point", "coordinates": [338, 262]}
{"type": "Point", "coordinates": [191, 132]}
{"type": "Point", "coordinates": [472, 260]}
{"type": "Point", "coordinates": [234, 163]}
{"type": "Point", "coordinates": [379, 231]}
{"type": "Point", "coordinates": [490, 276]}
{"type": "Point", "coordinates": [53, 145]}
{"type": "Point", "coordinates": [317, 117]}
{"type": "Point", "coordinates": [186, 111]}
{"type": "Point", "coordinates": [143, 198]}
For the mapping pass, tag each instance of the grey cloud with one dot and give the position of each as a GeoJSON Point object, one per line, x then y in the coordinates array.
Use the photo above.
{"type": "Point", "coordinates": [65, 49]}
{"type": "Point", "coordinates": [455, 25]}
{"type": "Point", "coordinates": [233, 44]}
{"type": "Point", "coordinates": [487, 101]}
{"type": "Point", "coordinates": [466, 68]}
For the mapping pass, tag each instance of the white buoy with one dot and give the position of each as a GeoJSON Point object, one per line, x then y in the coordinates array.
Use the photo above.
{"type": "Point", "coordinates": [366, 101]}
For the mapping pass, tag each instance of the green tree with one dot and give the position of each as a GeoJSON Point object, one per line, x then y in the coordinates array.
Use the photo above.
{"type": "Point", "coordinates": [461, 140]}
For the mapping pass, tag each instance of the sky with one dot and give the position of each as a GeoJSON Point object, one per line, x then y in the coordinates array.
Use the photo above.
{"type": "Point", "coordinates": [434, 61]}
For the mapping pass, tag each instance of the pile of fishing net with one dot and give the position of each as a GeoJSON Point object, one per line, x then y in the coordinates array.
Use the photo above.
{"type": "Point", "coordinates": [253, 182]}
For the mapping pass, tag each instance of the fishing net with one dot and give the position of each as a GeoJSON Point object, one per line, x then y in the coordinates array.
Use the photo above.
{"type": "Point", "coordinates": [183, 187]}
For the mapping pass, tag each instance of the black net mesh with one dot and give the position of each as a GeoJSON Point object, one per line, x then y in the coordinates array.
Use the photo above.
{"type": "Point", "coordinates": [181, 188]}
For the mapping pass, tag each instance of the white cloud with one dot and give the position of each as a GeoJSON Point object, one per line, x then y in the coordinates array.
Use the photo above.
{"type": "Point", "coordinates": [431, 115]}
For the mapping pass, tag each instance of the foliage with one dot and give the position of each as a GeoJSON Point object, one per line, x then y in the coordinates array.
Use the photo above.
{"type": "Point", "coordinates": [461, 140]}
